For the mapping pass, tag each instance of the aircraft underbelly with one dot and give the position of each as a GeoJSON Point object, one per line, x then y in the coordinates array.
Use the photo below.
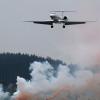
{"type": "Point", "coordinates": [55, 19]}
{"type": "Point", "coordinates": [58, 22]}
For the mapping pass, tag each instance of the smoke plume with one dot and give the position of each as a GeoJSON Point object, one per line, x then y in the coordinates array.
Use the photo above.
{"type": "Point", "coordinates": [49, 84]}
{"type": "Point", "coordinates": [4, 95]}
{"type": "Point", "coordinates": [63, 83]}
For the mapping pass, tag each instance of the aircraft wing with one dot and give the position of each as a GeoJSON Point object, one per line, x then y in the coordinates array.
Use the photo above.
{"type": "Point", "coordinates": [74, 22]}
{"type": "Point", "coordinates": [42, 22]}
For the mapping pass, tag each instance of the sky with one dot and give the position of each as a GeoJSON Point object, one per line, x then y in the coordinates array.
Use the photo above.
{"type": "Point", "coordinates": [77, 44]}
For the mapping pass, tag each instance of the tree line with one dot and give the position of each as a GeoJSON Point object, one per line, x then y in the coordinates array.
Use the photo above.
{"type": "Point", "coordinates": [17, 64]}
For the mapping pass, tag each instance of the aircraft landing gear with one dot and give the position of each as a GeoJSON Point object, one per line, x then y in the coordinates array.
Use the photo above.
{"type": "Point", "coordinates": [51, 26]}
{"type": "Point", "coordinates": [63, 26]}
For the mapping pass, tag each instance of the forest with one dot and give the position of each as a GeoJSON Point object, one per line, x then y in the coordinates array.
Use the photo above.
{"type": "Point", "coordinates": [17, 64]}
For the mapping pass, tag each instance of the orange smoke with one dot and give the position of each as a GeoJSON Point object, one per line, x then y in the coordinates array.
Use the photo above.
{"type": "Point", "coordinates": [55, 95]}
{"type": "Point", "coordinates": [26, 96]}
{"type": "Point", "coordinates": [97, 60]}
{"type": "Point", "coordinates": [58, 93]}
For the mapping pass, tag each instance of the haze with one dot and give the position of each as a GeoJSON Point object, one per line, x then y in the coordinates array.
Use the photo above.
{"type": "Point", "coordinates": [78, 44]}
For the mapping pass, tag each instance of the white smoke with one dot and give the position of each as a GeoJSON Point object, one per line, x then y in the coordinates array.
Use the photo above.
{"type": "Point", "coordinates": [3, 95]}
{"type": "Point", "coordinates": [49, 84]}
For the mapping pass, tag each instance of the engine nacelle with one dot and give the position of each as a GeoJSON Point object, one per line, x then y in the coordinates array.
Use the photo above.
{"type": "Point", "coordinates": [65, 18]}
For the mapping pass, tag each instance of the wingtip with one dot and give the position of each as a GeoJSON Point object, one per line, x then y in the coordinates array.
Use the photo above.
{"type": "Point", "coordinates": [29, 21]}
{"type": "Point", "coordinates": [91, 21]}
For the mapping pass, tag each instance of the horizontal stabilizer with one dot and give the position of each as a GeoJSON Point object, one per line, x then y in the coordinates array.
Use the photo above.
{"type": "Point", "coordinates": [62, 11]}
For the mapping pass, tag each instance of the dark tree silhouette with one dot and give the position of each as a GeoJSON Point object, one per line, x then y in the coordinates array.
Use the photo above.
{"type": "Point", "coordinates": [13, 65]}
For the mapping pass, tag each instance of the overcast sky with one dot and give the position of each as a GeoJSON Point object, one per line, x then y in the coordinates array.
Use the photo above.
{"type": "Point", "coordinates": [75, 43]}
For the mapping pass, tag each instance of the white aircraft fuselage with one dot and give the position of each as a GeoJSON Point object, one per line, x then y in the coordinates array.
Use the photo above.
{"type": "Point", "coordinates": [56, 18]}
